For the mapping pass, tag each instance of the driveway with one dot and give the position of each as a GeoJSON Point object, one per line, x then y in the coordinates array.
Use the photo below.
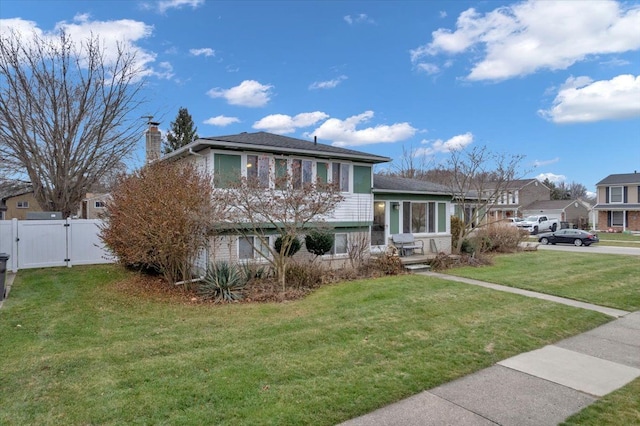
{"type": "Point", "coordinates": [633, 251]}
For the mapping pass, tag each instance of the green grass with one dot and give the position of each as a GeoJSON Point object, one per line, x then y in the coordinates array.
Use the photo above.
{"type": "Point", "coordinates": [76, 351]}
{"type": "Point", "coordinates": [621, 407]}
{"type": "Point", "coordinates": [607, 280]}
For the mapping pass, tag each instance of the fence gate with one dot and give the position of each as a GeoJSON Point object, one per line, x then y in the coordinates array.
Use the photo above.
{"type": "Point", "coordinates": [46, 243]}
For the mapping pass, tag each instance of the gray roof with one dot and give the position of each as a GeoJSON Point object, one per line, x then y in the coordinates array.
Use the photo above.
{"type": "Point", "coordinates": [621, 179]}
{"type": "Point", "coordinates": [384, 183]}
{"type": "Point", "coordinates": [552, 205]}
{"type": "Point", "coordinates": [276, 144]}
{"type": "Point", "coordinates": [617, 207]}
{"type": "Point", "coordinates": [515, 184]}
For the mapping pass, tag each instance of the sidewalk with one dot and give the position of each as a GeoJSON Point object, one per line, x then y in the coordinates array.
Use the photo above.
{"type": "Point", "coordinates": [541, 387]}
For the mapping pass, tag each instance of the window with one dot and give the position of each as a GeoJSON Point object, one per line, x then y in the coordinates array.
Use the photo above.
{"type": "Point", "coordinates": [302, 171]}
{"type": "Point", "coordinates": [617, 219]}
{"type": "Point", "coordinates": [227, 170]}
{"type": "Point", "coordinates": [419, 217]}
{"type": "Point", "coordinates": [22, 204]}
{"type": "Point", "coordinates": [340, 175]}
{"type": "Point", "coordinates": [258, 169]}
{"type": "Point", "coordinates": [250, 248]}
{"type": "Point", "coordinates": [615, 194]}
{"type": "Point", "coordinates": [339, 244]}
{"type": "Point", "coordinates": [99, 204]}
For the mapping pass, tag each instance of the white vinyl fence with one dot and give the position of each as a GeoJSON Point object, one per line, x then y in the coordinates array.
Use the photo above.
{"type": "Point", "coordinates": [45, 243]}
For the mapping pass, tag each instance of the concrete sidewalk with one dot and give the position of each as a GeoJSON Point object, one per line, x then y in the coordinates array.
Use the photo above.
{"type": "Point", "coordinates": [8, 282]}
{"type": "Point", "coordinates": [541, 387]}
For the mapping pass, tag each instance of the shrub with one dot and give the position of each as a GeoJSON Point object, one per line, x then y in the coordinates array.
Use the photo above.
{"type": "Point", "coordinates": [499, 239]}
{"type": "Point", "coordinates": [386, 264]}
{"type": "Point", "coordinates": [159, 218]}
{"type": "Point", "coordinates": [457, 227]}
{"type": "Point", "coordinates": [294, 245]}
{"type": "Point", "coordinates": [300, 275]}
{"type": "Point", "coordinates": [318, 242]}
{"type": "Point", "coordinates": [223, 282]}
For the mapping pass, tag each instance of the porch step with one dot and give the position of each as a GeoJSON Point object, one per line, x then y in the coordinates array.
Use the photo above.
{"type": "Point", "coordinates": [417, 267]}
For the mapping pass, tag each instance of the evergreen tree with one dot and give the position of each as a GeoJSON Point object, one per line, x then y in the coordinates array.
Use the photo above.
{"type": "Point", "coordinates": [182, 131]}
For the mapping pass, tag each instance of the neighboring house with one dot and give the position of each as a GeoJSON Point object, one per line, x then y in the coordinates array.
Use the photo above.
{"type": "Point", "coordinates": [411, 206]}
{"type": "Point", "coordinates": [576, 212]}
{"type": "Point", "coordinates": [93, 206]}
{"type": "Point", "coordinates": [618, 202]}
{"type": "Point", "coordinates": [267, 155]}
{"type": "Point", "coordinates": [16, 204]}
{"type": "Point", "coordinates": [517, 195]}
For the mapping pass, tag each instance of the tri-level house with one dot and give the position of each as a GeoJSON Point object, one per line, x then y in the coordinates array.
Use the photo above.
{"type": "Point", "coordinates": [366, 213]}
{"type": "Point", "coordinates": [618, 202]}
{"type": "Point", "coordinates": [518, 195]}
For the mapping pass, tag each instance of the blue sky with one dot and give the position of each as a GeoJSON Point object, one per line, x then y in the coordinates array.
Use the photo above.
{"type": "Point", "coordinates": [556, 81]}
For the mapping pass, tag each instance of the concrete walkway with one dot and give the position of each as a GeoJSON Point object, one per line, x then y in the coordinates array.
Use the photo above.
{"type": "Point", "coordinates": [537, 388]}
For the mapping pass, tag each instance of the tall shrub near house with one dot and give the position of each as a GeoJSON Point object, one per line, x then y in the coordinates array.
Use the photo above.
{"type": "Point", "coordinates": [161, 217]}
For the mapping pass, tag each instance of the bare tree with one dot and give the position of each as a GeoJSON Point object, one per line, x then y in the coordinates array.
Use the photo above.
{"type": "Point", "coordinates": [66, 114]}
{"type": "Point", "coordinates": [410, 165]}
{"type": "Point", "coordinates": [477, 178]}
{"type": "Point", "coordinates": [286, 207]}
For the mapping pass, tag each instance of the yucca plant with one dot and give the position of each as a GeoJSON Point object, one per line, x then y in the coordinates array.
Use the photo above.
{"type": "Point", "coordinates": [222, 283]}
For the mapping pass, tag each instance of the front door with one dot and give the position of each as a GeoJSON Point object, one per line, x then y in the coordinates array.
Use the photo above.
{"type": "Point", "coordinates": [378, 229]}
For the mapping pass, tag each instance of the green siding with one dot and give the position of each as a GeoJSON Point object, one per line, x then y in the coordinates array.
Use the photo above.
{"type": "Point", "coordinates": [227, 169]}
{"type": "Point", "coordinates": [394, 218]}
{"type": "Point", "coordinates": [322, 172]}
{"type": "Point", "coordinates": [362, 179]}
{"type": "Point", "coordinates": [442, 217]}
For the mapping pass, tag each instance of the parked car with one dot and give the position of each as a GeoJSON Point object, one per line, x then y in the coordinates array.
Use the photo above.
{"type": "Point", "coordinates": [576, 237]}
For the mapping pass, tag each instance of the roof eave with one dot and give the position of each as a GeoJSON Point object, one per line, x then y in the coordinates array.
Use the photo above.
{"type": "Point", "coordinates": [238, 146]}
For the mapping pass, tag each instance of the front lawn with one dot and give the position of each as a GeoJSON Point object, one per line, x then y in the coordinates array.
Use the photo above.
{"type": "Point", "coordinates": [77, 350]}
{"type": "Point", "coordinates": [602, 279]}
{"type": "Point", "coordinates": [621, 407]}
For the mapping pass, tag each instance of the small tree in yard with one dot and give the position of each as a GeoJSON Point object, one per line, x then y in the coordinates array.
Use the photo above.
{"type": "Point", "coordinates": [286, 207]}
{"type": "Point", "coordinates": [161, 217]}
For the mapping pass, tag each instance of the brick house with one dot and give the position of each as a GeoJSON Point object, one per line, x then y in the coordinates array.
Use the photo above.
{"type": "Point", "coordinates": [618, 202]}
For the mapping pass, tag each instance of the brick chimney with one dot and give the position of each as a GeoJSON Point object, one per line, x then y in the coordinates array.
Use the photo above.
{"type": "Point", "coordinates": [154, 140]}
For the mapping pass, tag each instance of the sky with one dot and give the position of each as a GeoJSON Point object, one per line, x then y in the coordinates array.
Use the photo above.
{"type": "Point", "coordinates": [555, 81]}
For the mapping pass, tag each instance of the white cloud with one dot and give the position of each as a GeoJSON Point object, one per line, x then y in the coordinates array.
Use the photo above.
{"type": "Point", "coordinates": [552, 177]}
{"type": "Point", "coordinates": [249, 93]}
{"type": "Point", "coordinates": [584, 100]}
{"type": "Point", "coordinates": [428, 68]}
{"type": "Point", "coordinates": [455, 143]}
{"type": "Point", "coordinates": [330, 84]}
{"type": "Point", "coordinates": [523, 38]}
{"type": "Point", "coordinates": [165, 5]}
{"type": "Point", "coordinates": [205, 51]}
{"type": "Point", "coordinates": [358, 19]}
{"type": "Point", "coordinates": [221, 121]}
{"type": "Point", "coordinates": [343, 132]}
{"type": "Point", "coordinates": [540, 163]}
{"type": "Point", "coordinates": [282, 124]}
{"type": "Point", "coordinates": [125, 33]}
